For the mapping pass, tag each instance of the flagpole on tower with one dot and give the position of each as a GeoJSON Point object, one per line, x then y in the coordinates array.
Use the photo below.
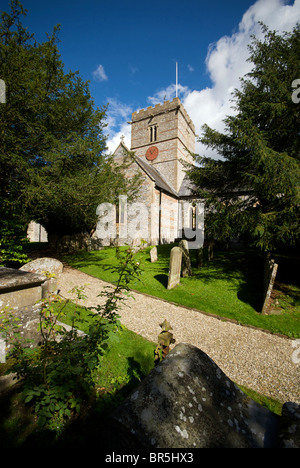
{"type": "Point", "coordinates": [176, 79]}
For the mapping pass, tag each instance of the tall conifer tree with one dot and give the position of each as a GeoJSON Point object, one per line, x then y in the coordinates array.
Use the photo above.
{"type": "Point", "coordinates": [253, 190]}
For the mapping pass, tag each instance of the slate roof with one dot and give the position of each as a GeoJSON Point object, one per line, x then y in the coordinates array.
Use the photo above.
{"type": "Point", "coordinates": [152, 173]}
{"type": "Point", "coordinates": [156, 176]}
{"type": "Point", "coordinates": [186, 188]}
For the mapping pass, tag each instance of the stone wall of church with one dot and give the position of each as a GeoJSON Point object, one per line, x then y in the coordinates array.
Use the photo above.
{"type": "Point", "coordinates": [164, 224]}
{"type": "Point", "coordinates": [169, 219]}
{"type": "Point", "coordinates": [129, 223]}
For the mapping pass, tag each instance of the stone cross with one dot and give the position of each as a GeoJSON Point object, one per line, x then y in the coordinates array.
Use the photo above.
{"type": "Point", "coordinates": [175, 267]}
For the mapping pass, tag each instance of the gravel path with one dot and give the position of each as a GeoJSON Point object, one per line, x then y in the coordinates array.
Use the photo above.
{"type": "Point", "coordinates": [248, 356]}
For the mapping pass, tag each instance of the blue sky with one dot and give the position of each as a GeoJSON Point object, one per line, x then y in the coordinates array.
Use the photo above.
{"type": "Point", "coordinates": [128, 49]}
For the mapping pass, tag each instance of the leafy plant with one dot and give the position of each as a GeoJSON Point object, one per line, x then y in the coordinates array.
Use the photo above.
{"type": "Point", "coordinates": [57, 376]}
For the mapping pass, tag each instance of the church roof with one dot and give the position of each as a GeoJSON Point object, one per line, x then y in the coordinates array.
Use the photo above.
{"type": "Point", "coordinates": [186, 188]}
{"type": "Point", "coordinates": [156, 176]}
{"type": "Point", "coordinates": [151, 172]}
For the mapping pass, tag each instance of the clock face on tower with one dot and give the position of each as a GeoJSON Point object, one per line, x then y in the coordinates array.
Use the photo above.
{"type": "Point", "coordinates": [152, 153]}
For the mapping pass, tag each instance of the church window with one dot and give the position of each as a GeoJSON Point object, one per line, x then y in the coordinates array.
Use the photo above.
{"type": "Point", "coordinates": [153, 133]}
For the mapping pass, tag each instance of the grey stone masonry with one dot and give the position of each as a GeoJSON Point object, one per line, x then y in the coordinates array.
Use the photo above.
{"type": "Point", "coordinates": [19, 288]}
{"type": "Point", "coordinates": [186, 261]}
{"type": "Point", "coordinates": [49, 267]}
{"type": "Point", "coordinates": [175, 267]}
{"type": "Point", "coordinates": [187, 401]}
{"type": "Point", "coordinates": [173, 140]}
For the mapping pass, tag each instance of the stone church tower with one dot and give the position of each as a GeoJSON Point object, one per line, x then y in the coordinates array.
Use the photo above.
{"type": "Point", "coordinates": [162, 140]}
{"type": "Point", "coordinates": [163, 136]}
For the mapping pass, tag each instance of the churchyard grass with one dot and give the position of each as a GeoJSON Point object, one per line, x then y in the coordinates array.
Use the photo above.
{"type": "Point", "coordinates": [229, 286]}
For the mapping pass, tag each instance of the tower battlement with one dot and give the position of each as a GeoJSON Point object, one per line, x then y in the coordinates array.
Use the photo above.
{"type": "Point", "coordinates": [162, 108]}
{"type": "Point", "coordinates": [164, 136]}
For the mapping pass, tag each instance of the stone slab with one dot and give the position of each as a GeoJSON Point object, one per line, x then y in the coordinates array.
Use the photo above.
{"type": "Point", "coordinates": [153, 254]}
{"type": "Point", "coordinates": [12, 279]}
{"type": "Point", "coordinates": [21, 298]}
{"type": "Point", "coordinates": [19, 288]}
{"type": "Point", "coordinates": [188, 402]}
{"type": "Point", "coordinates": [186, 269]}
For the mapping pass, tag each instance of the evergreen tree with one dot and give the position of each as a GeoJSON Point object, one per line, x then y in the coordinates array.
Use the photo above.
{"type": "Point", "coordinates": [253, 189]}
{"type": "Point", "coordinates": [53, 163]}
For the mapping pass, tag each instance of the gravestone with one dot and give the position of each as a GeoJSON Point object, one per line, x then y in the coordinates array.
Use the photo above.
{"type": "Point", "coordinates": [187, 401]}
{"type": "Point", "coordinates": [175, 267]}
{"type": "Point", "coordinates": [270, 271]}
{"type": "Point", "coordinates": [49, 267]}
{"type": "Point", "coordinates": [186, 261]}
{"type": "Point", "coordinates": [200, 257]}
{"type": "Point", "coordinates": [153, 254]}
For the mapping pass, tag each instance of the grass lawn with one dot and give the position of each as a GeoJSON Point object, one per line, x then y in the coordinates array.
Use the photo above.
{"type": "Point", "coordinates": [229, 286]}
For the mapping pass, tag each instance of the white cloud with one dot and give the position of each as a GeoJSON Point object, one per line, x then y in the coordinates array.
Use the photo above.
{"type": "Point", "coordinates": [99, 74]}
{"type": "Point", "coordinates": [226, 63]}
{"type": "Point", "coordinates": [167, 94]}
{"type": "Point", "coordinates": [114, 140]}
{"type": "Point", "coordinates": [118, 115]}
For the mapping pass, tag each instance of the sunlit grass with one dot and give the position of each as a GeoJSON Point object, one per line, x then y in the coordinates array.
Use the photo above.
{"type": "Point", "coordinates": [229, 286]}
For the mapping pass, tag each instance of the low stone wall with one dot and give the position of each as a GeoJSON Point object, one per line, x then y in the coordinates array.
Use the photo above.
{"type": "Point", "coordinates": [74, 243]}
{"type": "Point", "coordinates": [188, 402]}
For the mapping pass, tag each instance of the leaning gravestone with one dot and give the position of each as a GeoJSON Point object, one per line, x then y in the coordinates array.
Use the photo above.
{"type": "Point", "coordinates": [186, 261]}
{"type": "Point", "coordinates": [188, 402]}
{"type": "Point", "coordinates": [175, 267]}
{"type": "Point", "coordinates": [47, 266]}
{"type": "Point", "coordinates": [270, 271]}
{"type": "Point", "coordinates": [153, 254]}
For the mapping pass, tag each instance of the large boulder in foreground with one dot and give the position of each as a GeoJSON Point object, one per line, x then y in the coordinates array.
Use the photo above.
{"type": "Point", "coordinates": [188, 402]}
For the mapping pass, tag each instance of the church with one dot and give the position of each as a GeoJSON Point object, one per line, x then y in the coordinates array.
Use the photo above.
{"type": "Point", "coordinates": [162, 140]}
